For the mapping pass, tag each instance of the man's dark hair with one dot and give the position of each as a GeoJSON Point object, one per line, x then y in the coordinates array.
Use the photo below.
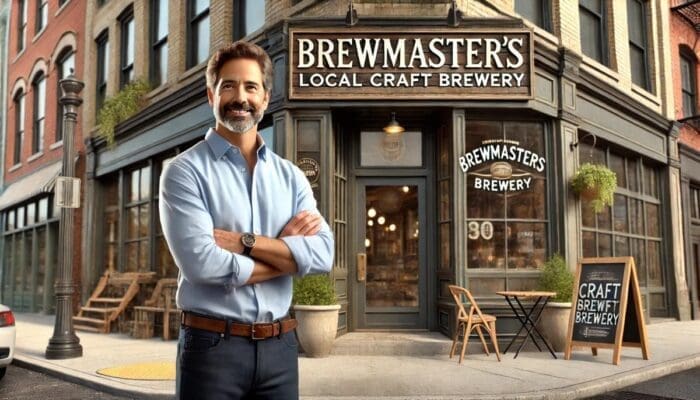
{"type": "Point", "coordinates": [239, 49]}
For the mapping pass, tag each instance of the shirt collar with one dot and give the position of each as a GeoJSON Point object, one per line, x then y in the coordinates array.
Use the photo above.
{"type": "Point", "coordinates": [220, 146]}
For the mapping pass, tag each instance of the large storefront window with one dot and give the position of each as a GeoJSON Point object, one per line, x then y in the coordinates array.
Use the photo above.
{"type": "Point", "coordinates": [30, 256]}
{"type": "Point", "coordinates": [507, 220]}
{"type": "Point", "coordinates": [632, 226]}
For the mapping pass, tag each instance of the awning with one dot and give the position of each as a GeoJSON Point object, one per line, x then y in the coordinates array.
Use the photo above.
{"type": "Point", "coordinates": [41, 181]}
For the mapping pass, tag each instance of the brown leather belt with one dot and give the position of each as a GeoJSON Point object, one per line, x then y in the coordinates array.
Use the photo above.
{"type": "Point", "coordinates": [254, 331]}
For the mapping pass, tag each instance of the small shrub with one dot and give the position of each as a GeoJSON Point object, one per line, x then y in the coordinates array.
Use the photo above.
{"type": "Point", "coordinates": [556, 277]}
{"type": "Point", "coordinates": [598, 179]}
{"type": "Point", "coordinates": [314, 290]}
{"type": "Point", "coordinates": [120, 107]}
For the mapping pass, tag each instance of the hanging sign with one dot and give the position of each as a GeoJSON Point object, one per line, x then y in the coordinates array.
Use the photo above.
{"type": "Point", "coordinates": [410, 63]}
{"type": "Point", "coordinates": [492, 166]}
{"type": "Point", "coordinates": [607, 307]}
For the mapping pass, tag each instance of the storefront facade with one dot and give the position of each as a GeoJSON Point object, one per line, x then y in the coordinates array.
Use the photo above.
{"type": "Point", "coordinates": [474, 192]}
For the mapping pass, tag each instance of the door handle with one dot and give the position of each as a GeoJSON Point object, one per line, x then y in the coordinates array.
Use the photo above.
{"type": "Point", "coordinates": [361, 267]}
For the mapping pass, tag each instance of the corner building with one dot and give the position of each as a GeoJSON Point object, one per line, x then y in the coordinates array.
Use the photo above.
{"type": "Point", "coordinates": [523, 90]}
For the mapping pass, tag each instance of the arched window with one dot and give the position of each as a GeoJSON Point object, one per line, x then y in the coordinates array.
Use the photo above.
{"type": "Point", "coordinates": [19, 126]}
{"type": "Point", "coordinates": [39, 90]}
{"type": "Point", "coordinates": [64, 66]}
{"type": "Point", "coordinates": [688, 81]}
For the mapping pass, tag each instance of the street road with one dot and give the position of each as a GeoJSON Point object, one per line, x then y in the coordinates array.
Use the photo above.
{"type": "Point", "coordinates": [20, 383]}
{"type": "Point", "coordinates": [683, 385]}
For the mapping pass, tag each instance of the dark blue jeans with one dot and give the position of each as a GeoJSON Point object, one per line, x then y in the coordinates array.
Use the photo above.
{"type": "Point", "coordinates": [211, 367]}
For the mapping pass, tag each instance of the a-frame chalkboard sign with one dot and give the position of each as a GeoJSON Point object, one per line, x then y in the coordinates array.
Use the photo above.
{"type": "Point", "coordinates": [607, 307]}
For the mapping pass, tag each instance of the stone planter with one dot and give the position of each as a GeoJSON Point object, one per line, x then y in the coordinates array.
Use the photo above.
{"type": "Point", "coordinates": [554, 324]}
{"type": "Point", "coordinates": [317, 328]}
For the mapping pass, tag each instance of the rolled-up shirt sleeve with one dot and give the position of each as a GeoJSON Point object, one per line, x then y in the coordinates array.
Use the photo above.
{"type": "Point", "coordinates": [189, 231]}
{"type": "Point", "coordinates": [312, 254]}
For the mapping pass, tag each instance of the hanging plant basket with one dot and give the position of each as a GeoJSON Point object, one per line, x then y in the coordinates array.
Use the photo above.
{"type": "Point", "coordinates": [595, 184]}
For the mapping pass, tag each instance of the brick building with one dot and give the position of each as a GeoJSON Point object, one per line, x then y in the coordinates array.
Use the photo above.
{"type": "Point", "coordinates": [45, 42]}
{"type": "Point", "coordinates": [594, 90]}
{"type": "Point", "coordinates": [685, 53]}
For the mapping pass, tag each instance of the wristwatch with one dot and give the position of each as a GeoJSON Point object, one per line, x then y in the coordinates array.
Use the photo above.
{"type": "Point", "coordinates": [248, 240]}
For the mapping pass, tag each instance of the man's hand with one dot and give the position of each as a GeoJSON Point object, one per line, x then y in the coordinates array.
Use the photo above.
{"type": "Point", "coordinates": [304, 224]}
{"type": "Point", "coordinates": [230, 241]}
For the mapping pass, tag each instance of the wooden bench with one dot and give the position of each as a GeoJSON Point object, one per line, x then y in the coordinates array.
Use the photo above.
{"type": "Point", "coordinates": [161, 304]}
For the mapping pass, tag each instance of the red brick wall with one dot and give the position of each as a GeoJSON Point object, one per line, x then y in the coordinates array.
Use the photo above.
{"type": "Point", "coordinates": [70, 19]}
{"type": "Point", "coordinates": [684, 34]}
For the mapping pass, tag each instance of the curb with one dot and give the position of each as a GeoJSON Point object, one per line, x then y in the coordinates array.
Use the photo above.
{"type": "Point", "coordinates": [83, 379]}
{"type": "Point", "coordinates": [577, 391]}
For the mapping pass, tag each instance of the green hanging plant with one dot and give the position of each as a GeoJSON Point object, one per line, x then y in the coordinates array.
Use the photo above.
{"type": "Point", "coordinates": [120, 107]}
{"type": "Point", "coordinates": [595, 183]}
{"type": "Point", "coordinates": [556, 277]}
{"type": "Point", "coordinates": [314, 290]}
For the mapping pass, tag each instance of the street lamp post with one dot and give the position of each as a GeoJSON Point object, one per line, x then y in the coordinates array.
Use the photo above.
{"type": "Point", "coordinates": [65, 343]}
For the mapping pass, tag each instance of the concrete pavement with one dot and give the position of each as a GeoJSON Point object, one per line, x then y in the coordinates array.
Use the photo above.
{"type": "Point", "coordinates": [674, 346]}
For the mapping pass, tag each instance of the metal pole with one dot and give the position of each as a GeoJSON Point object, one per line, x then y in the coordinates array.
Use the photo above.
{"type": "Point", "coordinates": [65, 343]}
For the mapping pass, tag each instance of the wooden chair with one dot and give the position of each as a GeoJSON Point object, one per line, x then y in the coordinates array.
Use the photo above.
{"type": "Point", "coordinates": [475, 319]}
{"type": "Point", "coordinates": [161, 302]}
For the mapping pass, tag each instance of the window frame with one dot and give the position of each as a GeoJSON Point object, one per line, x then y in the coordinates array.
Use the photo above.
{"type": "Point", "coordinates": [39, 115]}
{"type": "Point", "coordinates": [644, 46]}
{"type": "Point", "coordinates": [546, 13]}
{"type": "Point", "coordinates": [126, 68]}
{"type": "Point", "coordinates": [157, 43]}
{"type": "Point", "coordinates": [20, 112]}
{"type": "Point", "coordinates": [239, 23]}
{"type": "Point", "coordinates": [192, 38]}
{"type": "Point", "coordinates": [691, 92]}
{"type": "Point", "coordinates": [102, 42]}
{"type": "Point", "coordinates": [21, 25]}
{"type": "Point", "coordinates": [602, 17]}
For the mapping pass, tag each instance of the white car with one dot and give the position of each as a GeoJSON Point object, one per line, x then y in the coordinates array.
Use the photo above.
{"type": "Point", "coordinates": [7, 338]}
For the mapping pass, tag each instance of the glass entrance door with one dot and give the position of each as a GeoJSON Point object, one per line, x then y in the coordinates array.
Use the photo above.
{"type": "Point", "coordinates": [391, 260]}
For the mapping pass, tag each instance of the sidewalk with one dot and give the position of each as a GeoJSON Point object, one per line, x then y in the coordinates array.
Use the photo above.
{"type": "Point", "coordinates": [674, 346]}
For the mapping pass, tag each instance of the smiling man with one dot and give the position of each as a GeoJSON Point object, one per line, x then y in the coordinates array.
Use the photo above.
{"type": "Point", "coordinates": [240, 221]}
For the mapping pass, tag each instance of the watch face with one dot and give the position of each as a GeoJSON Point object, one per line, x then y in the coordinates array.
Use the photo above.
{"type": "Point", "coordinates": [248, 240]}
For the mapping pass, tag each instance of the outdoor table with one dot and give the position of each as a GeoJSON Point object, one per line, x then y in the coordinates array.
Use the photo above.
{"type": "Point", "coordinates": [528, 317]}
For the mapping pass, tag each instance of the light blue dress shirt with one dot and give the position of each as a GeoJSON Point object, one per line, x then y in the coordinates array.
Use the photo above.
{"type": "Point", "coordinates": [209, 186]}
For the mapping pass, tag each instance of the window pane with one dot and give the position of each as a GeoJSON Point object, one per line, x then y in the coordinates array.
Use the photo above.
{"type": "Point", "coordinates": [254, 15]}
{"type": "Point", "coordinates": [651, 183]}
{"type": "Point", "coordinates": [654, 263]}
{"type": "Point", "coordinates": [145, 183]}
{"type": "Point", "coordinates": [604, 245]}
{"type": "Point", "coordinates": [620, 213]}
{"type": "Point", "coordinates": [134, 186]}
{"type": "Point", "coordinates": [605, 219]}
{"type": "Point", "coordinates": [592, 5]}
{"type": "Point", "coordinates": [144, 263]}
{"type": "Point", "coordinates": [638, 66]}
{"type": "Point", "coordinates": [31, 213]}
{"type": "Point", "coordinates": [632, 175]}
{"type": "Point", "coordinates": [527, 245]}
{"type": "Point", "coordinates": [43, 209]}
{"type": "Point", "coordinates": [11, 220]}
{"type": "Point", "coordinates": [41, 98]}
{"type": "Point", "coordinates": [588, 244]}
{"type": "Point", "coordinates": [20, 217]}
{"type": "Point", "coordinates": [143, 220]}
{"type": "Point", "coordinates": [638, 252]}
{"type": "Point", "coordinates": [635, 21]}
{"type": "Point", "coordinates": [445, 240]}
{"type": "Point", "coordinates": [636, 217]}
{"type": "Point", "coordinates": [617, 165]}
{"type": "Point", "coordinates": [530, 9]}
{"type": "Point", "coordinates": [132, 257]}
{"type": "Point", "coordinates": [162, 22]}
{"type": "Point", "coordinates": [588, 217]}
{"type": "Point", "coordinates": [653, 223]}
{"type": "Point", "coordinates": [167, 267]}
{"type": "Point", "coordinates": [200, 6]}
{"type": "Point", "coordinates": [161, 62]}
{"type": "Point", "coordinates": [591, 40]}
{"type": "Point", "coordinates": [130, 42]}
{"type": "Point", "coordinates": [132, 215]}
{"type": "Point", "coordinates": [486, 251]}
{"type": "Point", "coordinates": [377, 149]}
{"type": "Point", "coordinates": [202, 44]}
{"type": "Point", "coordinates": [622, 246]}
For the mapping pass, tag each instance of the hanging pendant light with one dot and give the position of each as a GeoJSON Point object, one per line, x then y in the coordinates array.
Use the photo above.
{"type": "Point", "coordinates": [393, 127]}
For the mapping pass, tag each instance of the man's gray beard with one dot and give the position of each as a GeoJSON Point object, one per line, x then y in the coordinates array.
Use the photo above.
{"type": "Point", "coordinates": [239, 126]}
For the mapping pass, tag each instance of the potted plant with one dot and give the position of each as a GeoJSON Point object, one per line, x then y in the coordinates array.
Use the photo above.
{"type": "Point", "coordinates": [554, 322]}
{"type": "Point", "coordinates": [316, 309]}
{"type": "Point", "coordinates": [595, 183]}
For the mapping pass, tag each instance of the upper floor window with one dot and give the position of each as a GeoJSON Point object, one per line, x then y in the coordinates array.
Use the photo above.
{"type": "Point", "coordinates": [159, 41]}
{"type": "Point", "coordinates": [102, 69]}
{"type": "Point", "coordinates": [21, 24]}
{"type": "Point", "coordinates": [39, 88]}
{"type": "Point", "coordinates": [249, 16]}
{"type": "Point", "coordinates": [19, 126]}
{"type": "Point", "coordinates": [126, 22]}
{"type": "Point", "coordinates": [537, 11]}
{"type": "Point", "coordinates": [637, 26]}
{"type": "Point", "coordinates": [42, 15]}
{"type": "Point", "coordinates": [66, 66]}
{"type": "Point", "coordinates": [198, 32]}
{"type": "Point", "coordinates": [594, 32]}
{"type": "Point", "coordinates": [62, 2]}
{"type": "Point", "coordinates": [688, 83]}
{"type": "Point", "coordinates": [695, 202]}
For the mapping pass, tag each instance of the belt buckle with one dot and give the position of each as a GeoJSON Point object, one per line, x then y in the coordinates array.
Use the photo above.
{"type": "Point", "coordinates": [252, 333]}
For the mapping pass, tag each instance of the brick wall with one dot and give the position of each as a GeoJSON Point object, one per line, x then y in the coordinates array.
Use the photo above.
{"type": "Point", "coordinates": [683, 34]}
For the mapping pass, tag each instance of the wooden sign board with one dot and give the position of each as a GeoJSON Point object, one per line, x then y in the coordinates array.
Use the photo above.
{"type": "Point", "coordinates": [607, 307]}
{"type": "Point", "coordinates": [410, 63]}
